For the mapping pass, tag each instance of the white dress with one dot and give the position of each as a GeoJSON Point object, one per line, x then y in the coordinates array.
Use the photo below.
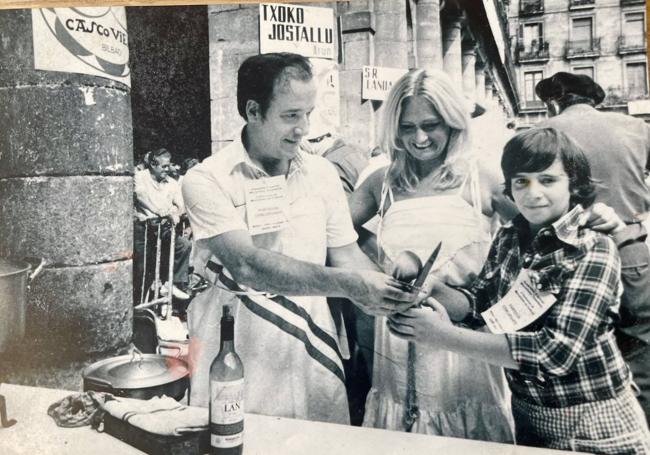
{"type": "Point", "coordinates": [456, 396]}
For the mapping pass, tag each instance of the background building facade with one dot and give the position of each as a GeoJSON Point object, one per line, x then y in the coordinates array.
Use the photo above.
{"type": "Point", "coordinates": [605, 39]}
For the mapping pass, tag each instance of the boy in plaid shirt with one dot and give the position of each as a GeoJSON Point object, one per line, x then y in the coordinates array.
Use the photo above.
{"type": "Point", "coordinates": [571, 388]}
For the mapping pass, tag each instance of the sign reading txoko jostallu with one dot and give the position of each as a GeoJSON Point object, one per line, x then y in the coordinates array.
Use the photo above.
{"type": "Point", "coordinates": [304, 30]}
{"type": "Point", "coordinates": [82, 40]}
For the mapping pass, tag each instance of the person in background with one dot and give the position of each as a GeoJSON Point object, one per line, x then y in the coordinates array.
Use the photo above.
{"type": "Point", "coordinates": [158, 195]}
{"type": "Point", "coordinates": [618, 148]}
{"type": "Point", "coordinates": [348, 160]}
{"type": "Point", "coordinates": [270, 217]}
{"type": "Point", "coordinates": [432, 191]}
{"type": "Point", "coordinates": [571, 388]}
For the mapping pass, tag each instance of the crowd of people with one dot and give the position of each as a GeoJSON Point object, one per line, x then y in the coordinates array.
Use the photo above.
{"type": "Point", "coordinates": [304, 250]}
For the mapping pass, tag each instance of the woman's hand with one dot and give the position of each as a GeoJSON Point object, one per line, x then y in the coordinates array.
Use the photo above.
{"type": "Point", "coordinates": [428, 324]}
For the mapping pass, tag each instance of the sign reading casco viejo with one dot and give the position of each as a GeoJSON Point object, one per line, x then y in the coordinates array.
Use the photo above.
{"type": "Point", "coordinates": [82, 40]}
{"type": "Point", "coordinates": [305, 30]}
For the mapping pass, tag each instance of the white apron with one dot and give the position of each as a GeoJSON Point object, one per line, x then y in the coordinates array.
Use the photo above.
{"type": "Point", "coordinates": [289, 347]}
{"type": "Point", "coordinates": [456, 395]}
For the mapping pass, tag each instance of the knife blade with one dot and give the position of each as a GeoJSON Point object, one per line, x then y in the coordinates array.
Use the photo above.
{"type": "Point", "coordinates": [419, 281]}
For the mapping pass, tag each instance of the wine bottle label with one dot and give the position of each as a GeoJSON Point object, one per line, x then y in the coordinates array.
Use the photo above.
{"type": "Point", "coordinates": [227, 413]}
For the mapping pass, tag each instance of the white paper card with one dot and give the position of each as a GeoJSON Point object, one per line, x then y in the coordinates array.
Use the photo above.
{"type": "Point", "coordinates": [266, 204]}
{"type": "Point", "coordinates": [521, 306]}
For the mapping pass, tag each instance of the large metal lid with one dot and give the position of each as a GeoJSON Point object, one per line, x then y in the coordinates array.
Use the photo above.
{"type": "Point", "coordinates": [11, 267]}
{"type": "Point", "coordinates": [136, 372]}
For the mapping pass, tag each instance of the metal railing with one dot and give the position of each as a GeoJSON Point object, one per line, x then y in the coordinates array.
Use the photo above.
{"type": "Point", "coordinates": [528, 7]}
{"type": "Point", "coordinates": [583, 48]}
{"type": "Point", "coordinates": [534, 52]}
{"type": "Point", "coordinates": [632, 2]}
{"type": "Point", "coordinates": [533, 105]}
{"type": "Point", "coordinates": [581, 3]}
{"type": "Point", "coordinates": [628, 44]}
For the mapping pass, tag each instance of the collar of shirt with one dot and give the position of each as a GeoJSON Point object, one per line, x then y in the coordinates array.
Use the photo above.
{"type": "Point", "coordinates": [578, 108]}
{"type": "Point", "coordinates": [240, 157]}
{"type": "Point", "coordinates": [566, 229]}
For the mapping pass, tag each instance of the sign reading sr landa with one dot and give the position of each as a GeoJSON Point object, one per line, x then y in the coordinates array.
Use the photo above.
{"type": "Point", "coordinates": [304, 30]}
{"type": "Point", "coordinates": [377, 81]}
{"type": "Point", "coordinates": [82, 40]}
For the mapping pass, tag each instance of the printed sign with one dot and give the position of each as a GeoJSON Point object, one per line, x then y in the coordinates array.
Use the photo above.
{"type": "Point", "coordinates": [377, 81]}
{"type": "Point", "coordinates": [82, 40]}
{"type": "Point", "coordinates": [267, 207]}
{"type": "Point", "coordinates": [325, 117]}
{"type": "Point", "coordinates": [304, 30]}
{"type": "Point", "coordinates": [521, 306]}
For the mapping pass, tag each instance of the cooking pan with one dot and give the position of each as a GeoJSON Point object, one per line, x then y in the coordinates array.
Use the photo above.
{"type": "Point", "coordinates": [141, 376]}
{"type": "Point", "coordinates": [15, 277]}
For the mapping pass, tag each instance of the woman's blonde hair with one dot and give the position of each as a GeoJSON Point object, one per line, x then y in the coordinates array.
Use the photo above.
{"type": "Point", "coordinates": [437, 89]}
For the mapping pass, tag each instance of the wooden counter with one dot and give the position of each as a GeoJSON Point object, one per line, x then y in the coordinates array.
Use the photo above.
{"type": "Point", "coordinates": [36, 433]}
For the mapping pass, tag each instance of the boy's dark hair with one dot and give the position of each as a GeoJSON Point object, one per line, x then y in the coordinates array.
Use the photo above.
{"type": "Point", "coordinates": [536, 149]}
{"type": "Point", "coordinates": [260, 74]}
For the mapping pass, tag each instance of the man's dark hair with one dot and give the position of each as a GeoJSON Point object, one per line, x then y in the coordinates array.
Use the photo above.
{"type": "Point", "coordinates": [536, 149]}
{"type": "Point", "coordinates": [260, 74]}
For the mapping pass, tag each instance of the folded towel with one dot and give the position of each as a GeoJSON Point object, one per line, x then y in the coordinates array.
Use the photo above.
{"type": "Point", "coordinates": [159, 415]}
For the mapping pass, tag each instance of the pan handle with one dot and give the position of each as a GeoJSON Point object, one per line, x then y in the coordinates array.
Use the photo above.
{"type": "Point", "coordinates": [37, 266]}
{"type": "Point", "coordinates": [99, 381]}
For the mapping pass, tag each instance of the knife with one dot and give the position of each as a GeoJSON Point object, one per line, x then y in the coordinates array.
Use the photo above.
{"type": "Point", "coordinates": [419, 281]}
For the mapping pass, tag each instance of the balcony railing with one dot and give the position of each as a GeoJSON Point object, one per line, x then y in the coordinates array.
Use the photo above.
{"type": "Point", "coordinates": [530, 7]}
{"type": "Point", "coordinates": [616, 95]}
{"type": "Point", "coordinates": [533, 105]}
{"type": "Point", "coordinates": [632, 2]}
{"type": "Point", "coordinates": [583, 48]}
{"type": "Point", "coordinates": [631, 44]}
{"type": "Point", "coordinates": [579, 4]}
{"type": "Point", "coordinates": [536, 52]}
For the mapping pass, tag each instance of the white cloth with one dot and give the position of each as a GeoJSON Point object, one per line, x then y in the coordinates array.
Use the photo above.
{"type": "Point", "coordinates": [164, 197]}
{"type": "Point", "coordinates": [456, 396]}
{"type": "Point", "coordinates": [158, 415]}
{"type": "Point", "coordinates": [282, 377]}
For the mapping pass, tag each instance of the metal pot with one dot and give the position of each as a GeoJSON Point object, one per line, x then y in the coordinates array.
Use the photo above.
{"type": "Point", "coordinates": [140, 376]}
{"type": "Point", "coordinates": [15, 278]}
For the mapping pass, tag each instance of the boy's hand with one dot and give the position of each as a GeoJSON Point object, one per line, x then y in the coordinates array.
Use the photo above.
{"type": "Point", "coordinates": [427, 324]}
{"type": "Point", "coordinates": [601, 217]}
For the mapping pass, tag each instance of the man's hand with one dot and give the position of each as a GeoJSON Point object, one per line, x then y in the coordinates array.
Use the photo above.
{"type": "Point", "coordinates": [378, 294]}
{"type": "Point", "coordinates": [427, 324]}
{"type": "Point", "coordinates": [601, 217]}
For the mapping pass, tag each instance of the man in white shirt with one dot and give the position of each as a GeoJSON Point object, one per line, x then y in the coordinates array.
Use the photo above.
{"type": "Point", "coordinates": [158, 195]}
{"type": "Point", "coordinates": [271, 215]}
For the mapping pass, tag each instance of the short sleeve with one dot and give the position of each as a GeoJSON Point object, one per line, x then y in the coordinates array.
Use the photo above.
{"type": "Point", "coordinates": [340, 231]}
{"type": "Point", "coordinates": [210, 209]}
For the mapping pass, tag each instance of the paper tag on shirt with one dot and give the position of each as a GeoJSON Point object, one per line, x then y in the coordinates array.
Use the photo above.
{"type": "Point", "coordinates": [521, 306]}
{"type": "Point", "coordinates": [266, 204]}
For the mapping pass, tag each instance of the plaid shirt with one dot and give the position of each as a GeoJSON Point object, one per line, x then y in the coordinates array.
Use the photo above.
{"type": "Point", "coordinates": [569, 355]}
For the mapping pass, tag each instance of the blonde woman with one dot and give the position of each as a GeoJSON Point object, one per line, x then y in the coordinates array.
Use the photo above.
{"type": "Point", "coordinates": [432, 191]}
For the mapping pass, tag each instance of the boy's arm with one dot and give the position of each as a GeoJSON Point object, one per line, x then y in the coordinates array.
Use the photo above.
{"type": "Point", "coordinates": [432, 326]}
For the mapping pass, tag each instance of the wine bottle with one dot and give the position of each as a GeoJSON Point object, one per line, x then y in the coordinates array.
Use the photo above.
{"type": "Point", "coordinates": [227, 393]}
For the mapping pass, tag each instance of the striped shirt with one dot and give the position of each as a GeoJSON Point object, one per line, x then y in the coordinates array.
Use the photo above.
{"type": "Point", "coordinates": [568, 355]}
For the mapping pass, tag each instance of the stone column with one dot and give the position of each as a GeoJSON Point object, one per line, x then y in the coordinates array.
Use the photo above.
{"type": "Point", "coordinates": [451, 46]}
{"type": "Point", "coordinates": [479, 72]}
{"type": "Point", "coordinates": [357, 23]}
{"type": "Point", "coordinates": [469, 69]}
{"type": "Point", "coordinates": [66, 186]}
{"type": "Point", "coordinates": [428, 34]}
{"type": "Point", "coordinates": [233, 37]}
